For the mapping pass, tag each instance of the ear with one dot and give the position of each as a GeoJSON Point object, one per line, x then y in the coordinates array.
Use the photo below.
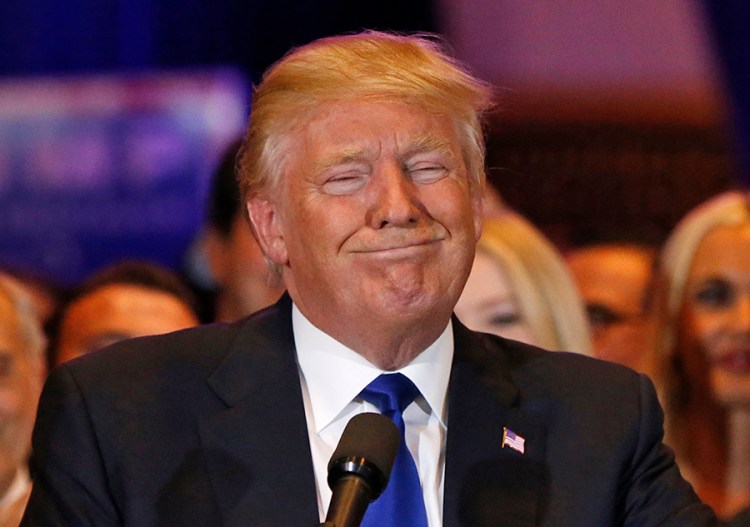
{"type": "Point", "coordinates": [267, 225]}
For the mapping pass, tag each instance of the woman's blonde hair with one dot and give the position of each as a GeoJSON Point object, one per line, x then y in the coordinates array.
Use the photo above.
{"type": "Point", "coordinates": [676, 260]}
{"type": "Point", "coordinates": [369, 66]}
{"type": "Point", "coordinates": [547, 295]}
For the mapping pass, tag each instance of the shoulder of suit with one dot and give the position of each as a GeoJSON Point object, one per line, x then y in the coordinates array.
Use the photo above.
{"type": "Point", "coordinates": [552, 368]}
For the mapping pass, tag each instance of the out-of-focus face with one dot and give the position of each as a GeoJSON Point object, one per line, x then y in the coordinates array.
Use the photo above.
{"type": "Point", "coordinates": [613, 282]}
{"type": "Point", "coordinates": [21, 377]}
{"type": "Point", "coordinates": [489, 304]}
{"type": "Point", "coordinates": [245, 280]}
{"type": "Point", "coordinates": [117, 312]}
{"type": "Point", "coordinates": [375, 222]}
{"type": "Point", "coordinates": [716, 313]}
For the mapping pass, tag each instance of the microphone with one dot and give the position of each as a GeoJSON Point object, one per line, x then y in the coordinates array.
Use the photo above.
{"type": "Point", "coordinates": [359, 469]}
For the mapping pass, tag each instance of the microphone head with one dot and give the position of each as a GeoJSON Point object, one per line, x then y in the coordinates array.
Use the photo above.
{"type": "Point", "coordinates": [367, 449]}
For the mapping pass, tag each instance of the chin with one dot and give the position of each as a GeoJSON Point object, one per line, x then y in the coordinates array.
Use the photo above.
{"type": "Point", "coordinates": [416, 301]}
{"type": "Point", "coordinates": [731, 391]}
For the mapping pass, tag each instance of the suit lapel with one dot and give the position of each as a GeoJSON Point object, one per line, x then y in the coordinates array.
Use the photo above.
{"type": "Point", "coordinates": [258, 455]}
{"type": "Point", "coordinates": [257, 449]}
{"type": "Point", "coordinates": [485, 483]}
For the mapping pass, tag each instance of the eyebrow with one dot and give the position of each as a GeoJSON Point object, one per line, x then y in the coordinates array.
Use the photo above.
{"type": "Point", "coordinates": [348, 155]}
{"type": "Point", "coordinates": [428, 142]}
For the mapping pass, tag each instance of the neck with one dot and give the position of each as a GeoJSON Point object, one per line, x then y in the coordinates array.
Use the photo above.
{"type": "Point", "coordinates": [738, 465]}
{"type": "Point", "coordinates": [387, 348]}
{"type": "Point", "coordinates": [388, 344]}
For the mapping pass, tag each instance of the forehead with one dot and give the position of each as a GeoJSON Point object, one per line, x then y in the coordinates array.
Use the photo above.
{"type": "Point", "coordinates": [123, 305]}
{"type": "Point", "coordinates": [611, 272]}
{"type": "Point", "coordinates": [611, 259]}
{"type": "Point", "coordinates": [352, 126]}
{"type": "Point", "coordinates": [724, 251]}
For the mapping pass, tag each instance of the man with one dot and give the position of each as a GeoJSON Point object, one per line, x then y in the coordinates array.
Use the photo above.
{"type": "Point", "coordinates": [614, 279]}
{"type": "Point", "coordinates": [363, 173]}
{"type": "Point", "coordinates": [243, 278]}
{"type": "Point", "coordinates": [22, 372]}
{"type": "Point", "coordinates": [123, 300]}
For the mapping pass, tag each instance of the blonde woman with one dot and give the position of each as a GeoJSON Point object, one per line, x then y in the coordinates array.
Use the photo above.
{"type": "Point", "coordinates": [520, 288]}
{"type": "Point", "coordinates": [702, 353]}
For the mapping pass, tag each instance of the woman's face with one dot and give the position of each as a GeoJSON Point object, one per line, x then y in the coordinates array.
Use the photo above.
{"type": "Point", "coordinates": [716, 312]}
{"type": "Point", "coordinates": [488, 302]}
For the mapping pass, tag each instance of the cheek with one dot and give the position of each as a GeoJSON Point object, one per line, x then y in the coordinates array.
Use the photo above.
{"type": "Point", "coordinates": [522, 332]}
{"type": "Point", "coordinates": [703, 328]}
{"type": "Point", "coordinates": [17, 405]}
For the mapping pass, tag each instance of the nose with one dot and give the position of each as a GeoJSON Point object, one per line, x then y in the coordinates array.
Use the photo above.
{"type": "Point", "coordinates": [394, 199]}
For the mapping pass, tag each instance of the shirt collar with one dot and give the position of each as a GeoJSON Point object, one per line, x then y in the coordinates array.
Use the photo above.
{"type": "Point", "coordinates": [335, 374]}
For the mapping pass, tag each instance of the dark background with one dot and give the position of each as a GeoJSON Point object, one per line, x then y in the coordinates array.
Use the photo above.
{"type": "Point", "coordinates": [84, 36]}
{"type": "Point", "coordinates": [622, 168]}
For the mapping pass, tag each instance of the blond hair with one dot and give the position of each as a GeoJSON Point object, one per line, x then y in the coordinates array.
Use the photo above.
{"type": "Point", "coordinates": [728, 209]}
{"type": "Point", "coordinates": [546, 292]}
{"type": "Point", "coordinates": [370, 66]}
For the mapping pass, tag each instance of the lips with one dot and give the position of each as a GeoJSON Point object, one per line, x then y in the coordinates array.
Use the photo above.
{"type": "Point", "coordinates": [397, 246]}
{"type": "Point", "coordinates": [735, 361]}
{"type": "Point", "coordinates": [396, 240]}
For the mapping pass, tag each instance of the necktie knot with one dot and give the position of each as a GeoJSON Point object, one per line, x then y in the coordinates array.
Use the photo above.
{"type": "Point", "coordinates": [402, 503]}
{"type": "Point", "coordinates": [391, 393]}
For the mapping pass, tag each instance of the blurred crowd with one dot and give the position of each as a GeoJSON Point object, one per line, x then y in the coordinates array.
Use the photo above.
{"type": "Point", "coordinates": [678, 312]}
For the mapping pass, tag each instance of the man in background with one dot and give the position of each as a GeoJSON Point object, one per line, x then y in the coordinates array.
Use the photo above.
{"type": "Point", "coordinates": [22, 372]}
{"type": "Point", "coordinates": [123, 300]}
{"type": "Point", "coordinates": [244, 280]}
{"type": "Point", "coordinates": [615, 279]}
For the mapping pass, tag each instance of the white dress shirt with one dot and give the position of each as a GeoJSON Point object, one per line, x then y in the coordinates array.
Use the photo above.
{"type": "Point", "coordinates": [332, 376]}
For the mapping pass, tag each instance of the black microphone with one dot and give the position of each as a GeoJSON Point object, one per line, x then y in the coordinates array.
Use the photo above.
{"type": "Point", "coordinates": [359, 469]}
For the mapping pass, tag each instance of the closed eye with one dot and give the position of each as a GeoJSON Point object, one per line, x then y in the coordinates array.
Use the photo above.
{"type": "Point", "coordinates": [506, 319]}
{"type": "Point", "coordinates": [427, 173]}
{"type": "Point", "coordinates": [346, 183]}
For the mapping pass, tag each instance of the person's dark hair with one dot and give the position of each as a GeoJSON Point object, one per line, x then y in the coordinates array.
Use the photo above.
{"type": "Point", "coordinates": [645, 236]}
{"type": "Point", "coordinates": [224, 200]}
{"type": "Point", "coordinates": [139, 273]}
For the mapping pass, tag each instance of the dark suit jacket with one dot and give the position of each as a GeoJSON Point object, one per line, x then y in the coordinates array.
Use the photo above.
{"type": "Point", "coordinates": [206, 427]}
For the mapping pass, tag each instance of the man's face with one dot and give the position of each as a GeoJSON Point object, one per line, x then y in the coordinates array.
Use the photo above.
{"type": "Point", "coordinates": [246, 283]}
{"type": "Point", "coordinates": [716, 314]}
{"type": "Point", "coordinates": [117, 312]}
{"type": "Point", "coordinates": [613, 282]}
{"type": "Point", "coordinates": [375, 220]}
{"type": "Point", "coordinates": [21, 377]}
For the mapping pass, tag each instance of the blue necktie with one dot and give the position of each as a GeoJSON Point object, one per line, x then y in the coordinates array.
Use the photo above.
{"type": "Point", "coordinates": [402, 502]}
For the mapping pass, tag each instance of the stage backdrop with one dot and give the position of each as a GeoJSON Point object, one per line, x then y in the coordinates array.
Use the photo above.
{"type": "Point", "coordinates": [94, 169]}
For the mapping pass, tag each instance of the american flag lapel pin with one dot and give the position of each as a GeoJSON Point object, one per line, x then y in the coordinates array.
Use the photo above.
{"type": "Point", "coordinates": [513, 440]}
